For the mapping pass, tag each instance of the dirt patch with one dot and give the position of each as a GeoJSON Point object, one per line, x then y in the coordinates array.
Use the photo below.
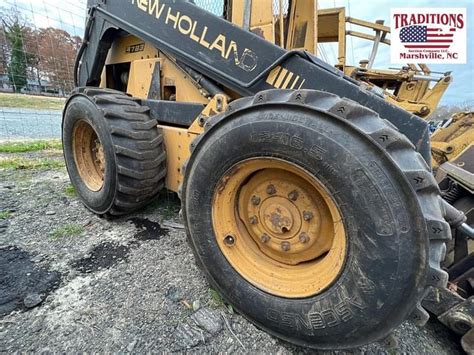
{"type": "Point", "coordinates": [103, 256]}
{"type": "Point", "coordinates": [149, 230]}
{"type": "Point", "coordinates": [23, 284]}
{"type": "Point", "coordinates": [108, 254]}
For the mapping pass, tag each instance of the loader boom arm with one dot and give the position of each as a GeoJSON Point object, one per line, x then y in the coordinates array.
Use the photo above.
{"type": "Point", "coordinates": [226, 54]}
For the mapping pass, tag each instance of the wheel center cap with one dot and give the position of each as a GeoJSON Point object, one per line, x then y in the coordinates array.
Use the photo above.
{"type": "Point", "coordinates": [278, 215]}
{"type": "Point", "coordinates": [278, 219]}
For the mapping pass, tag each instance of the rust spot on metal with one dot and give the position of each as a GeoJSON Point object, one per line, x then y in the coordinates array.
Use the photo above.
{"type": "Point", "coordinates": [225, 179]}
{"type": "Point", "coordinates": [279, 221]}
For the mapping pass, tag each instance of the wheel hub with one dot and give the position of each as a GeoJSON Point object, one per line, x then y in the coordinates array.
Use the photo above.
{"type": "Point", "coordinates": [277, 217]}
{"type": "Point", "coordinates": [88, 155]}
{"type": "Point", "coordinates": [282, 221]}
{"type": "Point", "coordinates": [287, 214]}
{"type": "Point", "coordinates": [98, 151]}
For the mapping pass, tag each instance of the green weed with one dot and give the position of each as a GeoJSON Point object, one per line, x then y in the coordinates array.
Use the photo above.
{"type": "Point", "coordinates": [166, 204]}
{"type": "Point", "coordinates": [5, 214]}
{"type": "Point", "coordinates": [219, 301]}
{"type": "Point", "coordinates": [216, 296]}
{"type": "Point", "coordinates": [70, 191]}
{"type": "Point", "coordinates": [69, 230]}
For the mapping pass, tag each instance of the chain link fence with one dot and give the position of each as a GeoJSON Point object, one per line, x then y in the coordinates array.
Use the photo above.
{"type": "Point", "coordinates": [38, 44]}
{"type": "Point", "coordinates": [215, 7]}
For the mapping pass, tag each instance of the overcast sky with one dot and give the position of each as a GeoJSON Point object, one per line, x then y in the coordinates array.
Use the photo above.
{"type": "Point", "coordinates": [69, 15]}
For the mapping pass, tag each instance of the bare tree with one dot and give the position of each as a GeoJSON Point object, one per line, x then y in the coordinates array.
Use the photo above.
{"type": "Point", "coordinates": [36, 54]}
{"type": "Point", "coordinates": [57, 52]}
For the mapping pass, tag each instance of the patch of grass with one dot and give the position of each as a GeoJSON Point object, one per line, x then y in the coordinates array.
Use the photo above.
{"type": "Point", "coordinates": [70, 191]}
{"type": "Point", "coordinates": [5, 214]}
{"type": "Point", "coordinates": [31, 101]}
{"type": "Point", "coordinates": [29, 146]}
{"type": "Point", "coordinates": [69, 230]}
{"type": "Point", "coordinates": [219, 301]}
{"type": "Point", "coordinates": [52, 153]}
{"type": "Point", "coordinates": [216, 296]}
{"type": "Point", "coordinates": [18, 163]}
{"type": "Point", "coordinates": [169, 212]}
{"type": "Point", "coordinates": [167, 204]}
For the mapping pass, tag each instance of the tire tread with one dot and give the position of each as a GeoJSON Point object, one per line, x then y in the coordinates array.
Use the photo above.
{"type": "Point", "coordinates": [138, 145]}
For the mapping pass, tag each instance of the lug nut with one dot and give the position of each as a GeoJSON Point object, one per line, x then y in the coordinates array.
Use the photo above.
{"type": "Point", "coordinates": [304, 238]}
{"type": "Point", "coordinates": [307, 216]}
{"type": "Point", "coordinates": [255, 200]}
{"type": "Point", "coordinates": [293, 195]}
{"type": "Point", "coordinates": [271, 189]}
{"type": "Point", "coordinates": [253, 220]}
{"type": "Point", "coordinates": [229, 240]}
{"type": "Point", "coordinates": [265, 238]}
{"type": "Point", "coordinates": [285, 246]}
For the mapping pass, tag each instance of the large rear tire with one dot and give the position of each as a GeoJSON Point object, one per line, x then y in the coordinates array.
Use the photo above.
{"type": "Point", "coordinates": [258, 170]}
{"type": "Point", "coordinates": [113, 150]}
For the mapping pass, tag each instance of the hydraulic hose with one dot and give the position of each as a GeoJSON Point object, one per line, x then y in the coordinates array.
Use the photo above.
{"type": "Point", "coordinates": [457, 220]}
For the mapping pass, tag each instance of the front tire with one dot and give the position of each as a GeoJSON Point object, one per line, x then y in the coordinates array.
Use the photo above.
{"type": "Point", "coordinates": [390, 252]}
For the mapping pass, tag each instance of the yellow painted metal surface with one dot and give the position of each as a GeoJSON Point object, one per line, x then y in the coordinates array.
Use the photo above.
{"type": "Point", "coordinates": [140, 76]}
{"type": "Point", "coordinates": [303, 26]}
{"type": "Point", "coordinates": [262, 21]}
{"type": "Point", "coordinates": [217, 104]}
{"type": "Point", "coordinates": [413, 95]}
{"type": "Point", "coordinates": [417, 97]}
{"type": "Point", "coordinates": [176, 141]}
{"type": "Point", "coordinates": [448, 143]}
{"type": "Point", "coordinates": [129, 49]}
{"type": "Point", "coordinates": [332, 28]}
{"type": "Point", "coordinates": [279, 227]}
{"type": "Point", "coordinates": [88, 155]}
{"type": "Point", "coordinates": [175, 84]}
{"type": "Point", "coordinates": [185, 90]}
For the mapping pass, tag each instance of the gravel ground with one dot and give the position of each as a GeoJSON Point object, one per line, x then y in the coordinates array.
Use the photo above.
{"type": "Point", "coordinates": [71, 281]}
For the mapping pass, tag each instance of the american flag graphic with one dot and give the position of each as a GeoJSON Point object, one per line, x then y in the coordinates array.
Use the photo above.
{"type": "Point", "coordinates": [426, 37]}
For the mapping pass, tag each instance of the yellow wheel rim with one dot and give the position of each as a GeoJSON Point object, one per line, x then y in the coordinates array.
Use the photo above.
{"type": "Point", "coordinates": [88, 155]}
{"type": "Point", "coordinates": [279, 227]}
